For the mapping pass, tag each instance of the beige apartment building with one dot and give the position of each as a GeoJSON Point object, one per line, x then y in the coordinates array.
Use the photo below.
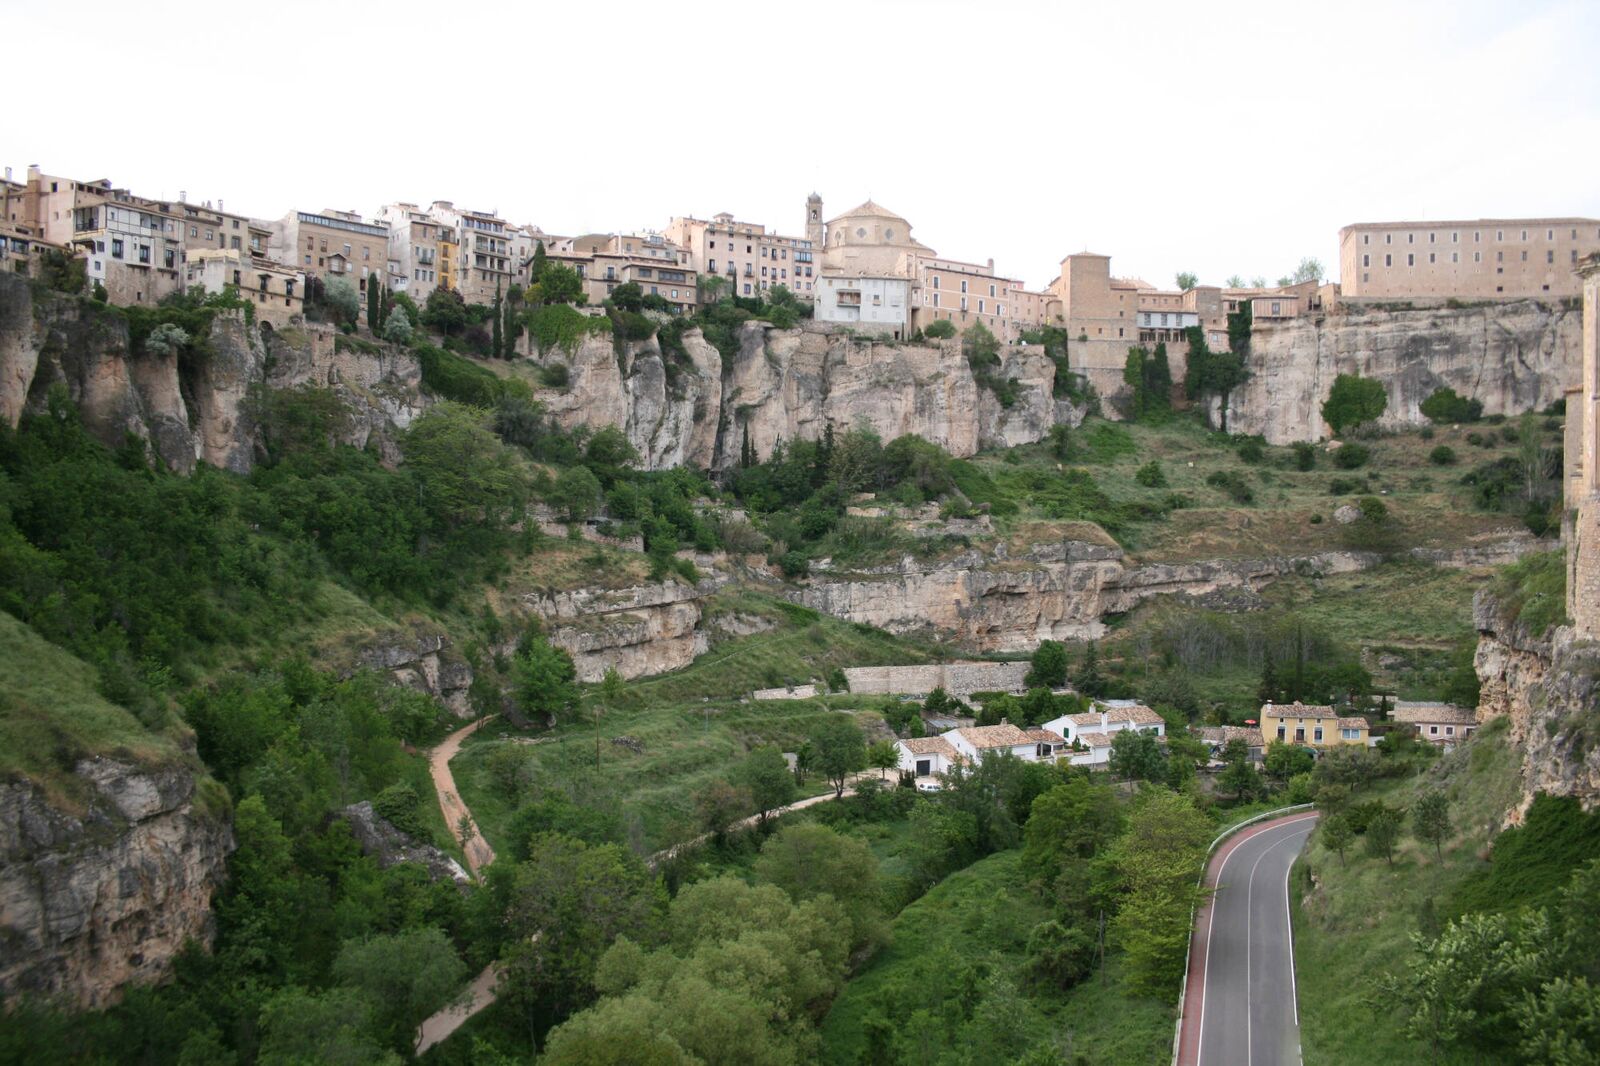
{"type": "Point", "coordinates": [970, 293]}
{"type": "Point", "coordinates": [277, 291]}
{"type": "Point", "coordinates": [206, 227]}
{"type": "Point", "coordinates": [747, 255]}
{"type": "Point", "coordinates": [659, 267]}
{"type": "Point", "coordinates": [413, 249]}
{"type": "Point", "coordinates": [130, 245]}
{"type": "Point", "coordinates": [1481, 259]}
{"type": "Point", "coordinates": [333, 244]}
{"type": "Point", "coordinates": [484, 259]}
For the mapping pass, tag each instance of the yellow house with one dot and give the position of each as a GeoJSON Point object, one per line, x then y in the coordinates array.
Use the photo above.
{"type": "Point", "coordinates": [1313, 726]}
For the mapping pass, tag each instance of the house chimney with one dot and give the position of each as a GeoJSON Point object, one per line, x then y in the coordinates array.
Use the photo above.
{"type": "Point", "coordinates": [183, 196]}
{"type": "Point", "coordinates": [1104, 721]}
{"type": "Point", "coordinates": [1005, 721]}
{"type": "Point", "coordinates": [219, 203]}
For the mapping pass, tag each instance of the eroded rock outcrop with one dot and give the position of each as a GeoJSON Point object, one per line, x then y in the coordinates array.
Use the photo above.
{"type": "Point", "coordinates": [639, 630]}
{"type": "Point", "coordinates": [1548, 687]}
{"type": "Point", "coordinates": [1513, 357]}
{"type": "Point", "coordinates": [98, 898]}
{"type": "Point", "coordinates": [389, 846]}
{"type": "Point", "coordinates": [420, 657]}
{"type": "Point", "coordinates": [203, 409]}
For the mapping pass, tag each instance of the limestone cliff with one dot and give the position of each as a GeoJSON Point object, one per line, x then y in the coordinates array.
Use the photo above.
{"type": "Point", "coordinates": [782, 385]}
{"type": "Point", "coordinates": [1548, 687]}
{"type": "Point", "coordinates": [1006, 601]}
{"type": "Point", "coordinates": [200, 410]}
{"type": "Point", "coordinates": [639, 630]}
{"type": "Point", "coordinates": [95, 900]}
{"type": "Point", "coordinates": [1513, 357]}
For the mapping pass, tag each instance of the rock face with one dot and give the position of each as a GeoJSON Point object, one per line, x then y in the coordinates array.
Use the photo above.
{"type": "Point", "coordinates": [92, 902]}
{"type": "Point", "coordinates": [390, 847]}
{"type": "Point", "coordinates": [189, 411]}
{"type": "Point", "coordinates": [1008, 603]}
{"type": "Point", "coordinates": [422, 659]}
{"type": "Point", "coordinates": [1549, 689]}
{"type": "Point", "coordinates": [784, 385]}
{"type": "Point", "coordinates": [641, 630]}
{"type": "Point", "coordinates": [1513, 357]}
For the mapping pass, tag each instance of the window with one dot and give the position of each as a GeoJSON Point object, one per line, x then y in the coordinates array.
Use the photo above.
{"type": "Point", "coordinates": [1524, 255]}
{"type": "Point", "coordinates": [963, 303]}
{"type": "Point", "coordinates": [1550, 257]}
{"type": "Point", "coordinates": [116, 247]}
{"type": "Point", "coordinates": [1477, 257]}
{"type": "Point", "coordinates": [1449, 730]}
{"type": "Point", "coordinates": [1366, 260]}
{"type": "Point", "coordinates": [1317, 735]}
{"type": "Point", "coordinates": [936, 299]}
{"type": "Point", "coordinates": [713, 266]}
{"type": "Point", "coordinates": [208, 235]}
{"type": "Point", "coordinates": [1280, 734]}
{"type": "Point", "coordinates": [1411, 260]}
{"type": "Point", "coordinates": [980, 307]}
{"type": "Point", "coordinates": [936, 281]}
{"type": "Point", "coordinates": [1388, 260]}
{"type": "Point", "coordinates": [1431, 236]}
{"type": "Point", "coordinates": [1455, 257]}
{"type": "Point", "coordinates": [144, 253]}
{"type": "Point", "coordinates": [1433, 730]}
{"type": "Point", "coordinates": [1455, 238]}
{"type": "Point", "coordinates": [1366, 238]}
{"type": "Point", "coordinates": [1411, 238]}
{"type": "Point", "coordinates": [991, 290]}
{"type": "Point", "coordinates": [963, 287]}
{"type": "Point", "coordinates": [1430, 257]}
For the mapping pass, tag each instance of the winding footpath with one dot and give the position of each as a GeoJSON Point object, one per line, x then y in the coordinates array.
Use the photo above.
{"type": "Point", "coordinates": [482, 992]}
{"type": "Point", "coordinates": [1240, 1004]}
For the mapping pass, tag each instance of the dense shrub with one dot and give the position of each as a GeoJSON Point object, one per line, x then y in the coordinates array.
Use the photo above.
{"type": "Point", "coordinates": [1353, 401]}
{"type": "Point", "coordinates": [940, 329]}
{"type": "Point", "coordinates": [1343, 486]}
{"type": "Point", "coordinates": [1232, 483]}
{"type": "Point", "coordinates": [1445, 406]}
{"type": "Point", "coordinates": [1443, 455]}
{"type": "Point", "coordinates": [450, 377]}
{"type": "Point", "coordinates": [1305, 455]}
{"type": "Point", "coordinates": [1352, 456]}
{"type": "Point", "coordinates": [1151, 476]}
{"type": "Point", "coordinates": [1252, 450]}
{"type": "Point", "coordinates": [554, 375]}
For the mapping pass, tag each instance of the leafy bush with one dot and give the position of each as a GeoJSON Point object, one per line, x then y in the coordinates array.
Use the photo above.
{"type": "Point", "coordinates": [1480, 440]}
{"type": "Point", "coordinates": [1352, 401]}
{"type": "Point", "coordinates": [1343, 486]}
{"type": "Point", "coordinates": [450, 377]}
{"type": "Point", "coordinates": [1232, 483]}
{"type": "Point", "coordinates": [563, 326]}
{"type": "Point", "coordinates": [1443, 455]}
{"type": "Point", "coordinates": [1305, 456]}
{"type": "Point", "coordinates": [1445, 406]}
{"type": "Point", "coordinates": [554, 375]}
{"type": "Point", "coordinates": [1151, 476]}
{"type": "Point", "coordinates": [940, 329]}
{"type": "Point", "coordinates": [1252, 450]}
{"type": "Point", "coordinates": [1533, 591]}
{"type": "Point", "coordinates": [1352, 456]}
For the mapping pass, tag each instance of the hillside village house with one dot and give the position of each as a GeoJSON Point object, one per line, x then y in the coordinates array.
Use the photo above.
{"type": "Point", "coordinates": [333, 244]}
{"type": "Point", "coordinates": [277, 292]}
{"type": "Point", "coordinates": [749, 256]}
{"type": "Point", "coordinates": [1218, 737]}
{"type": "Point", "coordinates": [1438, 723]}
{"type": "Point", "coordinates": [1311, 725]}
{"type": "Point", "coordinates": [1091, 733]}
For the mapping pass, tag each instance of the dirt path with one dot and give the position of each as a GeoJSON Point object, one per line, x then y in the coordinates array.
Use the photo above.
{"type": "Point", "coordinates": [480, 994]}
{"type": "Point", "coordinates": [745, 823]}
{"type": "Point", "coordinates": [478, 852]}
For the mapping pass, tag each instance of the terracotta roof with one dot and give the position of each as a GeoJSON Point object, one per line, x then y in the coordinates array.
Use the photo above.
{"type": "Point", "coordinates": [1354, 723]}
{"type": "Point", "coordinates": [1097, 740]}
{"type": "Point", "coordinates": [993, 736]}
{"type": "Point", "coordinates": [1442, 713]}
{"type": "Point", "coordinates": [929, 746]}
{"type": "Point", "coordinates": [1297, 710]}
{"type": "Point", "coordinates": [1224, 734]}
{"type": "Point", "coordinates": [1044, 736]}
{"type": "Point", "coordinates": [1136, 714]}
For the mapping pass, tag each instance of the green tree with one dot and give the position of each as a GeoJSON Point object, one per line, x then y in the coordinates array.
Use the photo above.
{"type": "Point", "coordinates": [374, 306]}
{"type": "Point", "coordinates": [1283, 761]}
{"type": "Point", "coordinates": [1353, 401]}
{"type": "Point", "coordinates": [334, 1027]}
{"type": "Point", "coordinates": [939, 329]}
{"type": "Point", "coordinates": [575, 493]}
{"type": "Point", "coordinates": [1310, 269]}
{"type": "Point", "coordinates": [1187, 280]}
{"type": "Point", "coordinates": [537, 264]}
{"type": "Point", "coordinates": [560, 284]}
{"type": "Point", "coordinates": [543, 680]}
{"type": "Point", "coordinates": [1218, 373]}
{"type": "Point", "coordinates": [883, 756]}
{"type": "Point", "coordinates": [1088, 679]}
{"type": "Point", "coordinates": [840, 749]}
{"type": "Point", "coordinates": [342, 298]}
{"type": "Point", "coordinates": [809, 861]}
{"type": "Point", "coordinates": [407, 975]}
{"type": "Point", "coordinates": [765, 775]}
{"type": "Point", "coordinates": [629, 296]}
{"type": "Point", "coordinates": [397, 327]}
{"type": "Point", "coordinates": [1430, 820]}
{"type": "Point", "coordinates": [1156, 864]}
{"type": "Point", "coordinates": [1383, 833]}
{"type": "Point", "coordinates": [1136, 756]}
{"type": "Point", "coordinates": [719, 804]}
{"type": "Point", "coordinates": [445, 311]}
{"type": "Point", "coordinates": [1241, 779]}
{"type": "Point", "coordinates": [465, 474]}
{"type": "Point", "coordinates": [1068, 824]}
{"type": "Point", "coordinates": [497, 342]}
{"type": "Point", "coordinates": [564, 907]}
{"type": "Point", "coordinates": [1337, 834]}
{"type": "Point", "coordinates": [1047, 668]}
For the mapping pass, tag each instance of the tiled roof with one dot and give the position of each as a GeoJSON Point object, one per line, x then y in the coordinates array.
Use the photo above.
{"type": "Point", "coordinates": [1044, 736]}
{"type": "Point", "coordinates": [929, 746]}
{"type": "Point", "coordinates": [1133, 714]}
{"type": "Point", "coordinates": [1098, 740]}
{"type": "Point", "coordinates": [1224, 734]}
{"type": "Point", "coordinates": [1297, 710]}
{"type": "Point", "coordinates": [993, 736]}
{"type": "Point", "coordinates": [1354, 723]}
{"type": "Point", "coordinates": [1441, 713]}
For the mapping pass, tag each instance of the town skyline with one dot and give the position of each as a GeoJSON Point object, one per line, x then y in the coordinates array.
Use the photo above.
{"type": "Point", "coordinates": [1021, 147]}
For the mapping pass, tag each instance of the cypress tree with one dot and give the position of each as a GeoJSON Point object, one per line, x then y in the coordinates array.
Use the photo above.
{"type": "Point", "coordinates": [536, 271]}
{"type": "Point", "coordinates": [497, 341]}
{"type": "Point", "coordinates": [744, 449]}
{"type": "Point", "coordinates": [373, 317]}
{"type": "Point", "coordinates": [1268, 692]}
{"type": "Point", "coordinates": [512, 328]}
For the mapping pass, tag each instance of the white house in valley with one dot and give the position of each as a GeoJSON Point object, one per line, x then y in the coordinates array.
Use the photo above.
{"type": "Point", "coordinates": [1091, 733]}
{"type": "Point", "coordinates": [926, 758]}
{"type": "Point", "coordinates": [1438, 723]}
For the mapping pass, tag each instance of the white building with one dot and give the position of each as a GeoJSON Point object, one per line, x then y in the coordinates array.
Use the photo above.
{"type": "Point", "coordinates": [868, 304]}
{"type": "Point", "coordinates": [1094, 731]}
{"type": "Point", "coordinates": [926, 758]}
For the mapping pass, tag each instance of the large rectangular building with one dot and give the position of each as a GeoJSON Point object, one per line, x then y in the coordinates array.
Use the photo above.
{"type": "Point", "coordinates": [749, 257]}
{"type": "Point", "coordinates": [1480, 259]}
{"type": "Point", "coordinates": [333, 244]}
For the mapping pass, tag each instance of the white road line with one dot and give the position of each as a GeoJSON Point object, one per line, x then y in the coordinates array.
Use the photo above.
{"type": "Point", "coordinates": [1249, 906]}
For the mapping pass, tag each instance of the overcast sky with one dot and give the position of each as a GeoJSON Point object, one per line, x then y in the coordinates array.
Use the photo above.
{"type": "Point", "coordinates": [1218, 138]}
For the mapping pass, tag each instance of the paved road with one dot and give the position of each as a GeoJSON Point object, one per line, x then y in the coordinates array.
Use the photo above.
{"type": "Point", "coordinates": [1240, 1008]}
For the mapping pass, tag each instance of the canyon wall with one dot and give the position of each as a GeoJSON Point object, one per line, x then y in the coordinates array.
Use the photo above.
{"type": "Point", "coordinates": [783, 385]}
{"type": "Point", "coordinates": [201, 409]}
{"type": "Point", "coordinates": [96, 899]}
{"type": "Point", "coordinates": [1548, 687]}
{"type": "Point", "coordinates": [1513, 357]}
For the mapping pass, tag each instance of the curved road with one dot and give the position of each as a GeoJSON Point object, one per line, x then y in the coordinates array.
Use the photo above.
{"type": "Point", "coordinates": [1240, 1008]}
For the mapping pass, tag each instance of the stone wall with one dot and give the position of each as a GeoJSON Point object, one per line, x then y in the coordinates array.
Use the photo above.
{"type": "Point", "coordinates": [1513, 357]}
{"type": "Point", "coordinates": [958, 679]}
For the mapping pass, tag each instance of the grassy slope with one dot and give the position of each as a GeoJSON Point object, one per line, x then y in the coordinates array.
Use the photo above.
{"type": "Point", "coordinates": [51, 715]}
{"type": "Point", "coordinates": [690, 724]}
{"type": "Point", "coordinates": [1354, 925]}
{"type": "Point", "coordinates": [1097, 1021]}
